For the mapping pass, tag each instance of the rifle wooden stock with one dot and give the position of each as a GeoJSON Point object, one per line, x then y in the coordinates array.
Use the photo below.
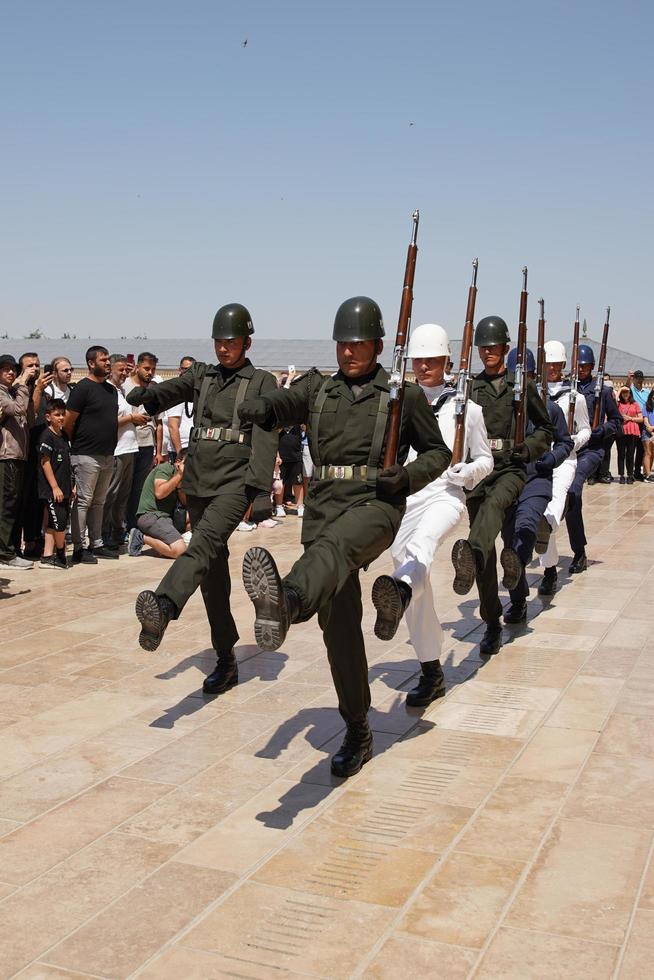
{"type": "Point", "coordinates": [462, 383]}
{"type": "Point", "coordinates": [398, 368]}
{"type": "Point", "coordinates": [574, 376]}
{"type": "Point", "coordinates": [599, 385]}
{"type": "Point", "coordinates": [521, 386]}
{"type": "Point", "coordinates": [541, 380]}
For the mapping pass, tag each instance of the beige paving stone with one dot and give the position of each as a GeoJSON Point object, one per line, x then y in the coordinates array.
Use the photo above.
{"type": "Point", "coordinates": [120, 939]}
{"type": "Point", "coordinates": [586, 704]}
{"type": "Point", "coordinates": [505, 695]}
{"type": "Point", "coordinates": [647, 893]}
{"type": "Point", "coordinates": [514, 819]}
{"type": "Point", "coordinates": [555, 754]}
{"type": "Point", "coordinates": [611, 661]}
{"type": "Point", "coordinates": [197, 964]}
{"type": "Point", "coordinates": [584, 882]}
{"type": "Point", "coordinates": [463, 901]}
{"type": "Point", "coordinates": [485, 719]}
{"type": "Point", "coordinates": [615, 789]}
{"type": "Point", "coordinates": [42, 913]}
{"type": "Point", "coordinates": [636, 697]}
{"type": "Point", "coordinates": [284, 930]}
{"type": "Point", "coordinates": [41, 643]}
{"type": "Point", "coordinates": [637, 962]}
{"type": "Point", "coordinates": [516, 954]}
{"type": "Point", "coordinates": [35, 847]}
{"type": "Point", "coordinates": [43, 971]}
{"type": "Point", "coordinates": [424, 959]}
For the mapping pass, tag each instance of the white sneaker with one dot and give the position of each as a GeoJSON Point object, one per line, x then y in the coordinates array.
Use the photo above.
{"type": "Point", "coordinates": [300, 510]}
{"type": "Point", "coordinates": [17, 563]}
{"type": "Point", "coordinates": [268, 523]}
{"type": "Point", "coordinates": [246, 526]}
{"type": "Point", "coordinates": [279, 511]}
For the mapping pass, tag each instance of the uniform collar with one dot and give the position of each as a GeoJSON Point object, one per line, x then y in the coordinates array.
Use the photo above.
{"type": "Point", "coordinates": [378, 382]}
{"type": "Point", "coordinates": [245, 372]}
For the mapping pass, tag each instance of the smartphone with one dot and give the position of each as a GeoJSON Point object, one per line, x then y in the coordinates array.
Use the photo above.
{"type": "Point", "coordinates": [130, 358]}
{"type": "Point", "coordinates": [47, 369]}
{"type": "Point", "coordinates": [291, 368]}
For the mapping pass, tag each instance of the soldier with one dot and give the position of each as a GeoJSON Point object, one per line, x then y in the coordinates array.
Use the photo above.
{"type": "Point", "coordinates": [227, 465]}
{"type": "Point", "coordinates": [525, 526]}
{"type": "Point", "coordinates": [588, 458]}
{"type": "Point", "coordinates": [353, 509]}
{"type": "Point", "coordinates": [475, 558]}
{"type": "Point", "coordinates": [431, 514]}
{"type": "Point", "coordinates": [559, 391]}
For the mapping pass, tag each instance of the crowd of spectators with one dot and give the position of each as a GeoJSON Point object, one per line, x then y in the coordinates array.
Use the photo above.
{"type": "Point", "coordinates": [79, 464]}
{"type": "Point", "coordinates": [635, 444]}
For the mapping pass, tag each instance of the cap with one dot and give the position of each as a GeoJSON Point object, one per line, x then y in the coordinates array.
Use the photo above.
{"type": "Point", "coordinates": [8, 359]}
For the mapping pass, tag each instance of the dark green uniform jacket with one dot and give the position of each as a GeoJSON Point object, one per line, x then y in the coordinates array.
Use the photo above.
{"type": "Point", "coordinates": [499, 416]}
{"type": "Point", "coordinates": [346, 429]}
{"type": "Point", "coordinates": [214, 467]}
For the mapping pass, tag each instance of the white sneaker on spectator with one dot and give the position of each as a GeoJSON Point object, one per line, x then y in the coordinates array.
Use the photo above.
{"type": "Point", "coordinates": [18, 563]}
{"type": "Point", "coordinates": [300, 510]}
{"type": "Point", "coordinates": [279, 511]}
{"type": "Point", "coordinates": [268, 523]}
{"type": "Point", "coordinates": [136, 542]}
{"type": "Point", "coordinates": [246, 526]}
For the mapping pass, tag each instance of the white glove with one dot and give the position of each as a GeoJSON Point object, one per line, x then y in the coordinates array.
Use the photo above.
{"type": "Point", "coordinates": [459, 475]}
{"type": "Point", "coordinates": [578, 441]}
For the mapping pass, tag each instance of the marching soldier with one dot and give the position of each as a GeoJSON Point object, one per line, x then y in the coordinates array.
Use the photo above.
{"type": "Point", "coordinates": [475, 558]}
{"type": "Point", "coordinates": [227, 464]}
{"type": "Point", "coordinates": [352, 511]}
{"type": "Point", "coordinates": [431, 514]}
{"type": "Point", "coordinates": [559, 391]}
{"type": "Point", "coordinates": [590, 457]}
{"type": "Point", "coordinates": [525, 526]}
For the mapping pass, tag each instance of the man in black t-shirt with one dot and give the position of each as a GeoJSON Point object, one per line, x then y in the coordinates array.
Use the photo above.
{"type": "Point", "coordinates": [92, 427]}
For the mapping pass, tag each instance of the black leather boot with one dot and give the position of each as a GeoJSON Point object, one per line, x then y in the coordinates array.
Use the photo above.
{"type": "Point", "coordinates": [516, 613]}
{"type": "Point", "coordinates": [355, 751]}
{"type": "Point", "coordinates": [512, 567]}
{"type": "Point", "coordinates": [549, 582]}
{"type": "Point", "coordinates": [430, 686]}
{"type": "Point", "coordinates": [390, 598]}
{"type": "Point", "coordinates": [465, 566]}
{"type": "Point", "coordinates": [224, 675]}
{"type": "Point", "coordinates": [491, 641]}
{"type": "Point", "coordinates": [276, 606]}
{"type": "Point", "coordinates": [578, 564]}
{"type": "Point", "coordinates": [153, 612]}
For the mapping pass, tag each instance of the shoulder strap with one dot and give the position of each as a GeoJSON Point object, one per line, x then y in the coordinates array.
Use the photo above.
{"type": "Point", "coordinates": [240, 397]}
{"type": "Point", "coordinates": [440, 401]}
{"type": "Point", "coordinates": [314, 422]}
{"type": "Point", "coordinates": [377, 444]}
{"type": "Point", "coordinates": [202, 397]}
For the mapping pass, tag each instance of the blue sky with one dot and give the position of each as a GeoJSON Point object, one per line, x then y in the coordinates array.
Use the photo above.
{"type": "Point", "coordinates": [153, 168]}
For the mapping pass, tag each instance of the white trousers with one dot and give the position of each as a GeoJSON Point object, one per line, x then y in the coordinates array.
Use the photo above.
{"type": "Point", "coordinates": [561, 482]}
{"type": "Point", "coordinates": [429, 517]}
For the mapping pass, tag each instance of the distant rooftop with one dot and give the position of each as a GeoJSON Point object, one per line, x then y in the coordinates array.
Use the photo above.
{"type": "Point", "coordinates": [274, 355]}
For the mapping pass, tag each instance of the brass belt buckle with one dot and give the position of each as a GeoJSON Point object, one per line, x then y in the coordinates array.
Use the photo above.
{"type": "Point", "coordinates": [210, 433]}
{"type": "Point", "coordinates": [339, 472]}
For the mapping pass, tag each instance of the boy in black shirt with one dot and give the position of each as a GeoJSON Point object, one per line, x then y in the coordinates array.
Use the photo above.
{"type": "Point", "coordinates": [55, 484]}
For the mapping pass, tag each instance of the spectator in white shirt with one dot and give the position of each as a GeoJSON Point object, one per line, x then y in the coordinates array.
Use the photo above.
{"type": "Point", "coordinates": [180, 418]}
{"type": "Point", "coordinates": [59, 387]}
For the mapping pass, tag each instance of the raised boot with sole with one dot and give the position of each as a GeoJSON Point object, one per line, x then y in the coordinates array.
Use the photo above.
{"type": "Point", "coordinates": [275, 606]}
{"type": "Point", "coordinates": [153, 612]}
{"type": "Point", "coordinates": [223, 676]}
{"type": "Point", "coordinates": [512, 567]}
{"type": "Point", "coordinates": [355, 751]}
{"type": "Point", "coordinates": [465, 566]}
{"type": "Point", "coordinates": [491, 641]}
{"type": "Point", "coordinates": [390, 597]}
{"type": "Point", "coordinates": [549, 582]}
{"type": "Point", "coordinates": [430, 686]}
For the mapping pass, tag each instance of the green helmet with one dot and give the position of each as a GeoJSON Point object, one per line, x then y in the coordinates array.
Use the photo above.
{"type": "Point", "coordinates": [232, 320]}
{"type": "Point", "coordinates": [358, 318]}
{"type": "Point", "coordinates": [491, 330]}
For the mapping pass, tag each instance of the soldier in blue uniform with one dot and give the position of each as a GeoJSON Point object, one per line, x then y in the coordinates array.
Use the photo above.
{"type": "Point", "coordinates": [525, 526]}
{"type": "Point", "coordinates": [590, 457]}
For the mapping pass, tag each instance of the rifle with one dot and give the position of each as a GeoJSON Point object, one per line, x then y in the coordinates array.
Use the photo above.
{"type": "Point", "coordinates": [520, 387]}
{"type": "Point", "coordinates": [574, 376]}
{"type": "Point", "coordinates": [599, 381]}
{"type": "Point", "coordinates": [541, 380]}
{"type": "Point", "coordinates": [463, 377]}
{"type": "Point", "coordinates": [398, 368]}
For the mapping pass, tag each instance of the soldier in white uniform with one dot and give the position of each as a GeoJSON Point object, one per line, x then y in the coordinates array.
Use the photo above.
{"type": "Point", "coordinates": [564, 474]}
{"type": "Point", "coordinates": [430, 516]}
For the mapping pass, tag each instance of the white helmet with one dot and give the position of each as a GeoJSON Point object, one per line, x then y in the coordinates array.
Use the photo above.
{"type": "Point", "coordinates": [429, 340]}
{"type": "Point", "coordinates": [555, 352]}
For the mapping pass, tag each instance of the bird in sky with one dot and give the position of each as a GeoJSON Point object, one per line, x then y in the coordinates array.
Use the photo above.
{"type": "Point", "coordinates": [244, 43]}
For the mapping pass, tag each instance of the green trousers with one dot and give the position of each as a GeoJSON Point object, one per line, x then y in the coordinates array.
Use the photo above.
{"type": "Point", "coordinates": [205, 564]}
{"type": "Point", "coordinates": [487, 506]}
{"type": "Point", "coordinates": [326, 579]}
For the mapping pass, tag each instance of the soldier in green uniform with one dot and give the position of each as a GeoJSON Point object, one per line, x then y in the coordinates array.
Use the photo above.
{"type": "Point", "coordinates": [493, 390]}
{"type": "Point", "coordinates": [227, 464]}
{"type": "Point", "coordinates": [353, 509]}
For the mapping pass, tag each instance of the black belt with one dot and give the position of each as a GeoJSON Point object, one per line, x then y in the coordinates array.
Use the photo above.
{"type": "Point", "coordinates": [220, 434]}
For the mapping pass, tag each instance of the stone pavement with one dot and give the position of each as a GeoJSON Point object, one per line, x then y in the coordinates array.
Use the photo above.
{"type": "Point", "coordinates": [505, 832]}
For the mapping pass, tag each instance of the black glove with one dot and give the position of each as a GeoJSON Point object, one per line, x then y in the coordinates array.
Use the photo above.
{"type": "Point", "coordinates": [257, 411]}
{"type": "Point", "coordinates": [520, 453]}
{"type": "Point", "coordinates": [393, 482]}
{"type": "Point", "coordinates": [545, 465]}
{"type": "Point", "coordinates": [137, 395]}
